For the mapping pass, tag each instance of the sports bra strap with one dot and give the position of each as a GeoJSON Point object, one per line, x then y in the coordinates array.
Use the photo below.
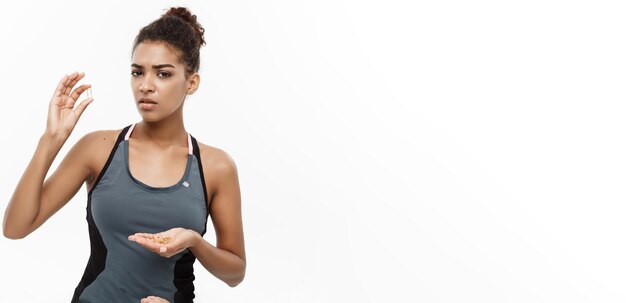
{"type": "Point", "coordinates": [130, 130]}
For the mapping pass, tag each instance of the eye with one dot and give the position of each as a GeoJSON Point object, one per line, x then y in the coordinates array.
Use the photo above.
{"type": "Point", "coordinates": [165, 74]}
{"type": "Point", "coordinates": [134, 73]}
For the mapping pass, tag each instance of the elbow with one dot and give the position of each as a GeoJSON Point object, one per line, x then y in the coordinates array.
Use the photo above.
{"type": "Point", "coordinates": [234, 283]}
{"type": "Point", "coordinates": [12, 235]}
{"type": "Point", "coordinates": [239, 279]}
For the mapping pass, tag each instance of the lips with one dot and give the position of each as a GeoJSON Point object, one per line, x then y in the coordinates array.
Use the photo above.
{"type": "Point", "coordinates": [147, 104]}
{"type": "Point", "coordinates": [147, 100]}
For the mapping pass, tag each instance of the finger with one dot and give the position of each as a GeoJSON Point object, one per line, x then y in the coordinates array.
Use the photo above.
{"type": "Point", "coordinates": [145, 235]}
{"type": "Point", "coordinates": [79, 90]}
{"type": "Point", "coordinates": [81, 107]}
{"type": "Point", "coordinates": [76, 93]}
{"type": "Point", "coordinates": [68, 80]}
{"type": "Point", "coordinates": [66, 86]}
{"type": "Point", "coordinates": [153, 299]}
{"type": "Point", "coordinates": [140, 237]}
{"type": "Point", "coordinates": [146, 243]}
{"type": "Point", "coordinates": [169, 250]}
{"type": "Point", "coordinates": [79, 76]}
{"type": "Point", "coordinates": [59, 90]}
{"type": "Point", "coordinates": [174, 245]}
{"type": "Point", "coordinates": [71, 81]}
{"type": "Point", "coordinates": [60, 95]}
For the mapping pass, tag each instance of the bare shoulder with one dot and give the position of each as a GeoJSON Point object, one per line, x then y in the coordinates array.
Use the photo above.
{"type": "Point", "coordinates": [99, 140]}
{"type": "Point", "coordinates": [97, 146]}
{"type": "Point", "coordinates": [217, 165]}
{"type": "Point", "coordinates": [99, 137]}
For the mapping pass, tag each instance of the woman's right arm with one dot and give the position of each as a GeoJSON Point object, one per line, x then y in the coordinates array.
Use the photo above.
{"type": "Point", "coordinates": [34, 201]}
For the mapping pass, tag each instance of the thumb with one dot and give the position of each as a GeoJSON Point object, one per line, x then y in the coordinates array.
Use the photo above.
{"type": "Point", "coordinates": [81, 107]}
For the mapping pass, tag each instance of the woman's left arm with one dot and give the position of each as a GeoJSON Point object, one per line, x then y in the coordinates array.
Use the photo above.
{"type": "Point", "coordinates": [227, 261]}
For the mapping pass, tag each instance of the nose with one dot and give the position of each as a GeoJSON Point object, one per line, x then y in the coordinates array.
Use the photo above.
{"type": "Point", "coordinates": [146, 84]}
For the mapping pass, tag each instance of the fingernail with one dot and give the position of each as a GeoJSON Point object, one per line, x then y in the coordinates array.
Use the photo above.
{"type": "Point", "coordinates": [163, 249]}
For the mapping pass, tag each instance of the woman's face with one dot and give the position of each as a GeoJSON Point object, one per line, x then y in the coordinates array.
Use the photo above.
{"type": "Point", "coordinates": [156, 74]}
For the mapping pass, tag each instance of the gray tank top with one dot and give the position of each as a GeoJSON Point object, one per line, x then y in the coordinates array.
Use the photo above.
{"type": "Point", "coordinates": [119, 205]}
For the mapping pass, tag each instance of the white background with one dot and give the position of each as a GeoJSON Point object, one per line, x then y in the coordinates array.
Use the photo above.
{"type": "Point", "coordinates": [388, 151]}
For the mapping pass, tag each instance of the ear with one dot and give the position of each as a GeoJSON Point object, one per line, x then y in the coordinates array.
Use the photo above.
{"type": "Point", "coordinates": [192, 83]}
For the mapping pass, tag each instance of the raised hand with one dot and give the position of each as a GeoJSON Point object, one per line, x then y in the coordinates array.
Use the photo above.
{"type": "Point", "coordinates": [167, 243]}
{"type": "Point", "coordinates": [62, 112]}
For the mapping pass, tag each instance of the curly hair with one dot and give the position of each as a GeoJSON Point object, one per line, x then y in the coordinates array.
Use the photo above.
{"type": "Point", "coordinates": [180, 29]}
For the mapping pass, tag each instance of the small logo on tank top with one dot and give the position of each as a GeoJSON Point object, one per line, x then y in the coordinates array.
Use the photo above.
{"type": "Point", "coordinates": [186, 184]}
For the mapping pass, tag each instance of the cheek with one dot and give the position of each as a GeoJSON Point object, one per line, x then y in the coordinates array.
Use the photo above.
{"type": "Point", "coordinates": [133, 85]}
{"type": "Point", "coordinates": [177, 88]}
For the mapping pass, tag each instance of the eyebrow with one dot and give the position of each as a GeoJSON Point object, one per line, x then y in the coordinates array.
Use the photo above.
{"type": "Point", "coordinates": [154, 66]}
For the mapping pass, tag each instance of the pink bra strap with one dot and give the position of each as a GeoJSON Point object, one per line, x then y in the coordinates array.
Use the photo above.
{"type": "Point", "coordinates": [189, 144]}
{"type": "Point", "coordinates": [130, 130]}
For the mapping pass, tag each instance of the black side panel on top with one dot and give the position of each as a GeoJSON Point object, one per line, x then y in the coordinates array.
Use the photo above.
{"type": "Point", "coordinates": [98, 255]}
{"type": "Point", "coordinates": [183, 278]}
{"type": "Point", "coordinates": [196, 152]}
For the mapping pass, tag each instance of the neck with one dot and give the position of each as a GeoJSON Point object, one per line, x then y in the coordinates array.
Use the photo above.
{"type": "Point", "coordinates": [162, 133]}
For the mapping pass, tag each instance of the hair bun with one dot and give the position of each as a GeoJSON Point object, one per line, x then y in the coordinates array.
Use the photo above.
{"type": "Point", "coordinates": [185, 14]}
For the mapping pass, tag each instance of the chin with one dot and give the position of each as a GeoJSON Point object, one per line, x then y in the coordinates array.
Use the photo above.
{"type": "Point", "coordinates": [149, 117]}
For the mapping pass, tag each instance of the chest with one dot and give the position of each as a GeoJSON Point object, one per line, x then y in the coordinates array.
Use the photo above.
{"type": "Point", "coordinates": [157, 168]}
{"type": "Point", "coordinates": [121, 203]}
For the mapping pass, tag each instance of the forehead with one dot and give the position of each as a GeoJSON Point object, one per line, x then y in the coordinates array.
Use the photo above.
{"type": "Point", "coordinates": [150, 52]}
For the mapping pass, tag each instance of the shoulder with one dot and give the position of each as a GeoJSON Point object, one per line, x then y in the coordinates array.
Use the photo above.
{"type": "Point", "coordinates": [95, 146]}
{"type": "Point", "coordinates": [98, 139]}
{"type": "Point", "coordinates": [217, 165]}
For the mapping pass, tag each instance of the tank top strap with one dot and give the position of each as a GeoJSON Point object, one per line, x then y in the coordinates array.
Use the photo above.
{"type": "Point", "coordinates": [189, 144]}
{"type": "Point", "coordinates": [132, 126]}
{"type": "Point", "coordinates": [130, 130]}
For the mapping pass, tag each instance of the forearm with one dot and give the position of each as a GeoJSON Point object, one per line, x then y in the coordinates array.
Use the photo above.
{"type": "Point", "coordinates": [223, 264]}
{"type": "Point", "coordinates": [26, 200]}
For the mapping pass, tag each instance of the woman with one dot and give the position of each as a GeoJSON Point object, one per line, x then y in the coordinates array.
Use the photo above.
{"type": "Point", "coordinates": [150, 185]}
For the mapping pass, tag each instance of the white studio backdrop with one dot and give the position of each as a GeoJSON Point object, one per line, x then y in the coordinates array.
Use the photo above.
{"type": "Point", "coordinates": [388, 151]}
